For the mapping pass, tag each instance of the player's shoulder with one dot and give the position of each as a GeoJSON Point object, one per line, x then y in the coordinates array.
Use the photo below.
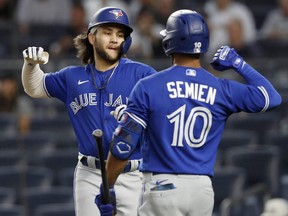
{"type": "Point", "coordinates": [126, 62]}
{"type": "Point", "coordinates": [74, 69]}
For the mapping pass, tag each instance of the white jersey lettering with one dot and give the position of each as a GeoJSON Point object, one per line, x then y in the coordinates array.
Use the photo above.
{"type": "Point", "coordinates": [117, 102]}
{"type": "Point", "coordinates": [195, 91]}
{"type": "Point", "coordinates": [83, 100]}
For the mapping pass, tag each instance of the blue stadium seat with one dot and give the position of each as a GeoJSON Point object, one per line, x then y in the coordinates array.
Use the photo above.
{"type": "Point", "coordinates": [12, 210]}
{"type": "Point", "coordinates": [66, 177]}
{"type": "Point", "coordinates": [228, 184]}
{"type": "Point", "coordinates": [36, 197]}
{"type": "Point", "coordinates": [10, 157]}
{"type": "Point", "coordinates": [19, 178]}
{"type": "Point", "coordinates": [58, 160]}
{"type": "Point", "coordinates": [55, 210]}
{"type": "Point", "coordinates": [7, 196]}
{"type": "Point", "coordinates": [276, 138]}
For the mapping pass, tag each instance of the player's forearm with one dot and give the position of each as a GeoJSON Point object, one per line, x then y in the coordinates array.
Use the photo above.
{"type": "Point", "coordinates": [32, 80]}
{"type": "Point", "coordinates": [253, 77]}
{"type": "Point", "coordinates": [114, 168]}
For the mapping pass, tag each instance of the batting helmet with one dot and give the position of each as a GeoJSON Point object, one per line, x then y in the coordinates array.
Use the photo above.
{"type": "Point", "coordinates": [186, 32]}
{"type": "Point", "coordinates": [116, 16]}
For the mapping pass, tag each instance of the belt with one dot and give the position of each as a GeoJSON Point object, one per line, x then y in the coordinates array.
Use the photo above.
{"type": "Point", "coordinates": [131, 165]}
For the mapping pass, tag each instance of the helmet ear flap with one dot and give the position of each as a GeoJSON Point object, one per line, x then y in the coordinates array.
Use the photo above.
{"type": "Point", "coordinates": [125, 45]}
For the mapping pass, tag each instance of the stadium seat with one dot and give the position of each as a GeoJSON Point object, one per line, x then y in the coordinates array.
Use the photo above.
{"type": "Point", "coordinates": [8, 123]}
{"type": "Point", "coordinates": [56, 124]}
{"type": "Point", "coordinates": [58, 160]}
{"type": "Point", "coordinates": [32, 176]}
{"type": "Point", "coordinates": [236, 137]}
{"type": "Point", "coordinates": [260, 123]}
{"type": "Point", "coordinates": [13, 210]}
{"type": "Point", "coordinates": [261, 164]}
{"type": "Point", "coordinates": [35, 143]}
{"type": "Point", "coordinates": [66, 177]}
{"type": "Point", "coordinates": [7, 196]}
{"type": "Point", "coordinates": [9, 142]}
{"type": "Point", "coordinates": [19, 178]}
{"type": "Point", "coordinates": [55, 210]}
{"type": "Point", "coordinates": [280, 140]}
{"type": "Point", "coordinates": [6, 43]}
{"type": "Point", "coordinates": [10, 157]}
{"type": "Point", "coordinates": [228, 184]}
{"type": "Point", "coordinates": [27, 145]}
{"type": "Point", "coordinates": [40, 35]}
{"type": "Point", "coordinates": [36, 197]}
{"type": "Point", "coordinates": [284, 187]}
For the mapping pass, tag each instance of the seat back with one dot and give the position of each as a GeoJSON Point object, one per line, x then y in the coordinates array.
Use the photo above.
{"type": "Point", "coordinates": [36, 197]}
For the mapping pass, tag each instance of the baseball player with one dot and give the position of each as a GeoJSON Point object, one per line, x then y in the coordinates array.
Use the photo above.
{"type": "Point", "coordinates": [180, 114]}
{"type": "Point", "coordinates": [90, 92]}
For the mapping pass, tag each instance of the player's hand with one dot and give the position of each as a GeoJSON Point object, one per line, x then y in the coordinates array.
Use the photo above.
{"type": "Point", "coordinates": [118, 113]}
{"type": "Point", "coordinates": [35, 55]}
{"type": "Point", "coordinates": [226, 58]}
{"type": "Point", "coordinates": [106, 209]}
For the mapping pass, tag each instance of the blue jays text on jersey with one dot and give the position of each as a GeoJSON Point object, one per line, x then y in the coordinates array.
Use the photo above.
{"type": "Point", "coordinates": [90, 99]}
{"type": "Point", "coordinates": [184, 115]}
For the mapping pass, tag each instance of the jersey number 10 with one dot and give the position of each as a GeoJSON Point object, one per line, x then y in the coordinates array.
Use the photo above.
{"type": "Point", "coordinates": [185, 128]}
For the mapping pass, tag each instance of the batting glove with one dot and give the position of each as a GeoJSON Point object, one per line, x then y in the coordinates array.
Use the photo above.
{"type": "Point", "coordinates": [118, 113]}
{"type": "Point", "coordinates": [226, 58]}
{"type": "Point", "coordinates": [35, 55]}
{"type": "Point", "coordinates": [106, 209]}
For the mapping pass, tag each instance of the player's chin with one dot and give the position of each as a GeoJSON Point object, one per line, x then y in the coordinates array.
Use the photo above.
{"type": "Point", "coordinates": [113, 55]}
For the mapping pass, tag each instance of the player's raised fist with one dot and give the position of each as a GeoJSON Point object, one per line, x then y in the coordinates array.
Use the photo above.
{"type": "Point", "coordinates": [226, 58]}
{"type": "Point", "coordinates": [35, 55]}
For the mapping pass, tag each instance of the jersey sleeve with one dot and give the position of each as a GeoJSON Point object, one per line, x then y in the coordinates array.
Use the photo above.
{"type": "Point", "coordinates": [149, 71]}
{"type": "Point", "coordinates": [257, 95]}
{"type": "Point", "coordinates": [137, 107]}
{"type": "Point", "coordinates": [55, 84]}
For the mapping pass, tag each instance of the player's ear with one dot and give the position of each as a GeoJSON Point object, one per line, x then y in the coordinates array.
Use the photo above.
{"type": "Point", "coordinates": [91, 38]}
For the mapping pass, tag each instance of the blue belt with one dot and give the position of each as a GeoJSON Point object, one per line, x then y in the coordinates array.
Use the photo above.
{"type": "Point", "coordinates": [84, 161]}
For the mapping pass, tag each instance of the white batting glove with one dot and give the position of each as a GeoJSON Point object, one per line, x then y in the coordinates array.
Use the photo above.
{"type": "Point", "coordinates": [118, 113]}
{"type": "Point", "coordinates": [35, 55]}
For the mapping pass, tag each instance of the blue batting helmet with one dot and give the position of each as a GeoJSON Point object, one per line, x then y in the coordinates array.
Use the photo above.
{"type": "Point", "coordinates": [110, 15]}
{"type": "Point", "coordinates": [186, 32]}
{"type": "Point", "coordinates": [116, 16]}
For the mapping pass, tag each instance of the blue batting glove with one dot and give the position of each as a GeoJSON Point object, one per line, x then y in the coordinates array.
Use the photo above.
{"type": "Point", "coordinates": [226, 58]}
{"type": "Point", "coordinates": [109, 208]}
{"type": "Point", "coordinates": [105, 209]}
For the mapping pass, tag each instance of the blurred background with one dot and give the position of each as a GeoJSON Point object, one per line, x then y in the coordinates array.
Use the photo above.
{"type": "Point", "coordinates": [38, 149]}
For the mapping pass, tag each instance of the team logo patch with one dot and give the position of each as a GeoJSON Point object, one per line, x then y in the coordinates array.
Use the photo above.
{"type": "Point", "coordinates": [116, 13]}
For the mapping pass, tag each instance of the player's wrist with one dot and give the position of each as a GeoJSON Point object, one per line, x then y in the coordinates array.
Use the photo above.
{"type": "Point", "coordinates": [237, 62]}
{"type": "Point", "coordinates": [29, 63]}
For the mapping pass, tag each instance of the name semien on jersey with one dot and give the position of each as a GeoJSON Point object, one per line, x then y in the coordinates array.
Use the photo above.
{"type": "Point", "coordinates": [195, 91]}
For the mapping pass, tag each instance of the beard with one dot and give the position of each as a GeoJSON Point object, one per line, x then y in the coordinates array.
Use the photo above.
{"type": "Point", "coordinates": [99, 50]}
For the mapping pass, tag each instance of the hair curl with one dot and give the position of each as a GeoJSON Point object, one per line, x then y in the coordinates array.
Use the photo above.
{"type": "Point", "coordinates": [84, 49]}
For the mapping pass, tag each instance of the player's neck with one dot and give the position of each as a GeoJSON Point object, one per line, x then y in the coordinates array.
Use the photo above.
{"type": "Point", "coordinates": [104, 65]}
{"type": "Point", "coordinates": [186, 60]}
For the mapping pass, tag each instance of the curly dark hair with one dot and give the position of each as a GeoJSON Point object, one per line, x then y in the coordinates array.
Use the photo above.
{"type": "Point", "coordinates": [84, 49]}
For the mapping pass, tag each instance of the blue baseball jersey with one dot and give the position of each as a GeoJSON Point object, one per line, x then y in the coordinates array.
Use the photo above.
{"type": "Point", "coordinates": [184, 110]}
{"type": "Point", "coordinates": [90, 96]}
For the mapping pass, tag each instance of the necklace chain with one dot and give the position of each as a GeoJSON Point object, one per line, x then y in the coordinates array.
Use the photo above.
{"type": "Point", "coordinates": [107, 80]}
